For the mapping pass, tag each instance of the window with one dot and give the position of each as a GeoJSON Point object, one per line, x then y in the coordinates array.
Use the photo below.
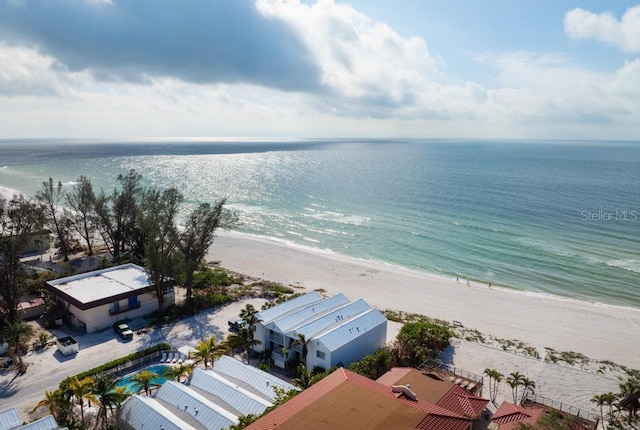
{"type": "Point", "coordinates": [320, 354]}
{"type": "Point", "coordinates": [114, 307]}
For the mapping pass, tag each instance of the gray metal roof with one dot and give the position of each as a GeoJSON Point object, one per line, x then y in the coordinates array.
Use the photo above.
{"type": "Point", "coordinates": [210, 415]}
{"type": "Point", "coordinates": [332, 319]}
{"type": "Point", "coordinates": [145, 413]}
{"type": "Point", "coordinates": [282, 309]}
{"type": "Point", "coordinates": [309, 313]}
{"type": "Point", "coordinates": [351, 329]}
{"type": "Point", "coordinates": [9, 419]}
{"type": "Point", "coordinates": [237, 397]}
{"type": "Point", "coordinates": [255, 378]}
{"type": "Point", "coordinates": [46, 423]}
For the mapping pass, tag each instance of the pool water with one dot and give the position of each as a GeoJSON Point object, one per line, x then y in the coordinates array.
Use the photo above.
{"type": "Point", "coordinates": [131, 386]}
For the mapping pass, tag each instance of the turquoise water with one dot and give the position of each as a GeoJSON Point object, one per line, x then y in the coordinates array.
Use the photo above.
{"type": "Point", "coordinates": [560, 218]}
{"type": "Point", "coordinates": [131, 386]}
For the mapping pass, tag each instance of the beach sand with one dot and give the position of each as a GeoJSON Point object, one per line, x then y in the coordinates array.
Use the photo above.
{"type": "Point", "coordinates": [600, 332]}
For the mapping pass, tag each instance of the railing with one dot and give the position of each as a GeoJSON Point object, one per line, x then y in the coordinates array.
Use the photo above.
{"type": "Point", "coordinates": [563, 407]}
{"type": "Point", "coordinates": [136, 364]}
{"type": "Point", "coordinates": [430, 364]}
{"type": "Point", "coordinates": [122, 309]}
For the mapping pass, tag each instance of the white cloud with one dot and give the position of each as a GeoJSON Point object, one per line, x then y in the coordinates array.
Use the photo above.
{"type": "Point", "coordinates": [624, 34]}
{"type": "Point", "coordinates": [359, 58]}
{"type": "Point", "coordinates": [24, 71]}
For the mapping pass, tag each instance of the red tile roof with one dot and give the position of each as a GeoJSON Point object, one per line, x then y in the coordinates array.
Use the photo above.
{"type": "Point", "coordinates": [462, 402]}
{"type": "Point", "coordinates": [508, 415]}
{"type": "Point", "coordinates": [437, 418]}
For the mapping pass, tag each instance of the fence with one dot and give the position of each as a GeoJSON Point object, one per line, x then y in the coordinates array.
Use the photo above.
{"type": "Point", "coordinates": [430, 364]}
{"type": "Point", "coordinates": [563, 407]}
{"type": "Point", "coordinates": [136, 364]}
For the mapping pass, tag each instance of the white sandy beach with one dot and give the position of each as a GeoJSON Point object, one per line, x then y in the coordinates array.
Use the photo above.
{"type": "Point", "coordinates": [600, 332]}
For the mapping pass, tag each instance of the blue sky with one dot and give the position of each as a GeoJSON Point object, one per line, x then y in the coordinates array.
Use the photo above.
{"type": "Point", "coordinates": [279, 68]}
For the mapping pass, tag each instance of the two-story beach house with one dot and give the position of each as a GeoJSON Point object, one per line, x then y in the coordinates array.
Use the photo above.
{"type": "Point", "coordinates": [335, 331]}
{"type": "Point", "coordinates": [95, 300]}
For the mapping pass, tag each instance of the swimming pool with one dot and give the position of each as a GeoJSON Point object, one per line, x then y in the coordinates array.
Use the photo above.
{"type": "Point", "coordinates": [158, 369]}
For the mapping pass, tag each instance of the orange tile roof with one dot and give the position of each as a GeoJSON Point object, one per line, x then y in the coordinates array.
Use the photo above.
{"type": "Point", "coordinates": [508, 415]}
{"type": "Point", "coordinates": [347, 400]}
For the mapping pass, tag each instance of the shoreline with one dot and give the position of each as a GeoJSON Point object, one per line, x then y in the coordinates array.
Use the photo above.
{"type": "Point", "coordinates": [599, 331]}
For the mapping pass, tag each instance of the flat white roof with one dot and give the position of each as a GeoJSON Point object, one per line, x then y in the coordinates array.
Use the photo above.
{"type": "Point", "coordinates": [102, 284]}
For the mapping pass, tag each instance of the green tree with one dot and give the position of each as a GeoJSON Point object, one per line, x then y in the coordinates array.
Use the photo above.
{"type": "Point", "coordinates": [248, 314]}
{"type": "Point", "coordinates": [419, 341]}
{"type": "Point", "coordinates": [244, 421]}
{"type": "Point", "coordinates": [209, 350]}
{"type": "Point", "coordinates": [117, 213]}
{"type": "Point", "coordinates": [52, 196]}
{"type": "Point", "coordinates": [243, 338]}
{"type": "Point", "coordinates": [58, 403]}
{"type": "Point", "coordinates": [21, 221]}
{"type": "Point", "coordinates": [198, 236]}
{"type": "Point", "coordinates": [82, 390]}
{"type": "Point", "coordinates": [514, 380]}
{"type": "Point", "coordinates": [109, 395]}
{"type": "Point", "coordinates": [158, 222]}
{"type": "Point", "coordinates": [495, 378]}
{"type": "Point", "coordinates": [302, 340]}
{"type": "Point", "coordinates": [629, 396]}
{"type": "Point", "coordinates": [528, 386]}
{"type": "Point", "coordinates": [82, 199]}
{"type": "Point", "coordinates": [177, 372]}
{"type": "Point", "coordinates": [143, 381]}
{"type": "Point", "coordinates": [374, 365]}
{"type": "Point", "coordinates": [599, 400]}
{"type": "Point", "coordinates": [50, 402]}
{"type": "Point", "coordinates": [17, 335]}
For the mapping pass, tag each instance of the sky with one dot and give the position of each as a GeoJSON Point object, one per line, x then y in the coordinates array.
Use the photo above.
{"type": "Point", "coordinates": [524, 69]}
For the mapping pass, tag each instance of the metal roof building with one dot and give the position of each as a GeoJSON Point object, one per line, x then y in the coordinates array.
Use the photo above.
{"type": "Point", "coordinates": [9, 419]}
{"type": "Point", "coordinates": [249, 377]}
{"type": "Point", "coordinates": [195, 407]}
{"type": "Point", "coordinates": [140, 412]}
{"type": "Point", "coordinates": [211, 400]}
{"type": "Point", "coordinates": [235, 396]}
{"type": "Point", "coordinates": [335, 331]}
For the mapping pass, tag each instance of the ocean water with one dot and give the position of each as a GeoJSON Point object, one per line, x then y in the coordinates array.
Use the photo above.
{"type": "Point", "coordinates": [560, 218]}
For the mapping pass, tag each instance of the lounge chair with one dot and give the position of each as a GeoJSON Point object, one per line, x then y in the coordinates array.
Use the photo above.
{"type": "Point", "coordinates": [471, 386]}
{"type": "Point", "coordinates": [175, 357]}
{"type": "Point", "coordinates": [464, 384]}
{"type": "Point", "coordinates": [180, 358]}
{"type": "Point", "coordinates": [452, 378]}
{"type": "Point", "coordinates": [169, 358]}
{"type": "Point", "coordinates": [458, 381]}
{"type": "Point", "coordinates": [164, 357]}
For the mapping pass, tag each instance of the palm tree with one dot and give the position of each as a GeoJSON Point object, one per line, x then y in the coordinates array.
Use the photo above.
{"type": "Point", "coordinates": [103, 389]}
{"type": "Point", "coordinates": [143, 381]}
{"type": "Point", "coordinates": [304, 379]}
{"type": "Point", "coordinates": [203, 352]}
{"type": "Point", "coordinates": [120, 394]}
{"type": "Point", "coordinates": [610, 400]}
{"type": "Point", "coordinates": [304, 342]}
{"type": "Point", "coordinates": [629, 397]}
{"type": "Point", "coordinates": [244, 338]}
{"type": "Point", "coordinates": [528, 387]}
{"type": "Point", "coordinates": [495, 378]}
{"type": "Point", "coordinates": [50, 401]}
{"type": "Point", "coordinates": [248, 314]}
{"type": "Point", "coordinates": [82, 389]}
{"type": "Point", "coordinates": [176, 372]}
{"type": "Point", "coordinates": [514, 380]}
{"type": "Point", "coordinates": [599, 400]}
{"type": "Point", "coordinates": [17, 335]}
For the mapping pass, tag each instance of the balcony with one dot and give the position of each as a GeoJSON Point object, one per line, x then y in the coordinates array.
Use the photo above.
{"type": "Point", "coordinates": [122, 309]}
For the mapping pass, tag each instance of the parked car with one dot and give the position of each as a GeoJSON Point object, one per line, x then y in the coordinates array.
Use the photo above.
{"type": "Point", "coordinates": [234, 325]}
{"type": "Point", "coordinates": [123, 331]}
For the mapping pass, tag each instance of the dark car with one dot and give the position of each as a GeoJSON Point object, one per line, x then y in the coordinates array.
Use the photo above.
{"type": "Point", "coordinates": [234, 325]}
{"type": "Point", "coordinates": [123, 331]}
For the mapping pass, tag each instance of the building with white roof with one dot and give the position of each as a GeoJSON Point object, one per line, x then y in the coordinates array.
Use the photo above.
{"type": "Point", "coordinates": [337, 332]}
{"type": "Point", "coordinates": [10, 420]}
{"type": "Point", "coordinates": [96, 300]}
{"type": "Point", "coordinates": [212, 399]}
